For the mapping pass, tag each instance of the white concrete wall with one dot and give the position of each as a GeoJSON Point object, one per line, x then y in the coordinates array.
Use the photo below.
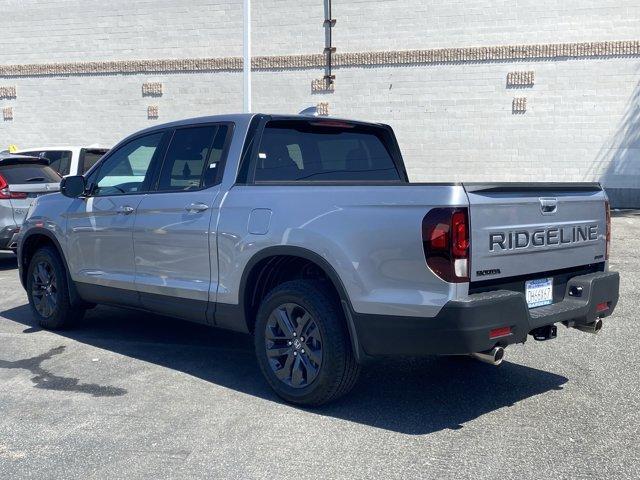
{"type": "Point", "coordinates": [454, 121]}
{"type": "Point", "coordinates": [82, 30]}
{"type": "Point", "coordinates": [396, 24]}
{"type": "Point", "coordinates": [41, 31]}
{"type": "Point", "coordinates": [104, 109]}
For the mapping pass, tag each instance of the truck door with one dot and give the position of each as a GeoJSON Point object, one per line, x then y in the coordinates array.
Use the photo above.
{"type": "Point", "coordinates": [174, 263]}
{"type": "Point", "coordinates": [100, 226]}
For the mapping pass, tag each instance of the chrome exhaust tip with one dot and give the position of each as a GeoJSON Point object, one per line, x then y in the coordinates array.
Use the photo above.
{"type": "Point", "coordinates": [594, 327]}
{"type": "Point", "coordinates": [495, 356]}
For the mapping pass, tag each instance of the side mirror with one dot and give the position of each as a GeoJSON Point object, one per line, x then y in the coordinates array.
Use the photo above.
{"type": "Point", "coordinates": [73, 186]}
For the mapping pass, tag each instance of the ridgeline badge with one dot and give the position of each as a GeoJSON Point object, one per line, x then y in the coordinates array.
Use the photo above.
{"type": "Point", "coordinates": [520, 239]}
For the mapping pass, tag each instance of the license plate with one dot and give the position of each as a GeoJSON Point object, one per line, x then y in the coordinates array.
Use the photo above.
{"type": "Point", "coordinates": [539, 292]}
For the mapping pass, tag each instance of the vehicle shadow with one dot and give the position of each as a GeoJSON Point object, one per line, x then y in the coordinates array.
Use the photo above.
{"type": "Point", "coordinates": [411, 396]}
{"type": "Point", "coordinates": [8, 261]}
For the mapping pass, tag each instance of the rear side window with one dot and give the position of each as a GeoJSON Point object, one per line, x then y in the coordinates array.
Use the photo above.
{"type": "Point", "coordinates": [325, 151]}
{"type": "Point", "coordinates": [193, 158]}
{"type": "Point", "coordinates": [88, 158]}
{"type": "Point", "coordinates": [59, 160]}
{"type": "Point", "coordinates": [21, 174]}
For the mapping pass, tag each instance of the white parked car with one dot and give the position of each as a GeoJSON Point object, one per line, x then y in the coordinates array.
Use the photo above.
{"type": "Point", "coordinates": [68, 160]}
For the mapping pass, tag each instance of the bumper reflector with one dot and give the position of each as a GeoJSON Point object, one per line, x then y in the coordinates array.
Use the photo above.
{"type": "Point", "coordinates": [500, 332]}
{"type": "Point", "coordinates": [602, 307]}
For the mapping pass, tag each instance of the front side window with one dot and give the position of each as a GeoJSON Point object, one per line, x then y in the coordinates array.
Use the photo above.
{"type": "Point", "coordinates": [193, 158]}
{"type": "Point", "coordinates": [127, 169]}
{"type": "Point", "coordinates": [325, 151]}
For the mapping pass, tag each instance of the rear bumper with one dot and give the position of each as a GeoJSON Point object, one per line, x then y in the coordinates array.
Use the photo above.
{"type": "Point", "coordinates": [463, 326]}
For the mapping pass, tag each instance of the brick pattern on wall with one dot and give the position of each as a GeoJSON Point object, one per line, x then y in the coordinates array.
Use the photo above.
{"type": "Point", "coordinates": [520, 79]}
{"type": "Point", "coordinates": [152, 89]}
{"type": "Point", "coordinates": [8, 92]}
{"type": "Point", "coordinates": [494, 53]}
{"type": "Point", "coordinates": [123, 66]}
{"type": "Point", "coordinates": [152, 112]}
{"type": "Point", "coordinates": [519, 105]}
{"type": "Point", "coordinates": [323, 109]}
{"type": "Point", "coordinates": [393, 57]}
{"type": "Point", "coordinates": [322, 85]}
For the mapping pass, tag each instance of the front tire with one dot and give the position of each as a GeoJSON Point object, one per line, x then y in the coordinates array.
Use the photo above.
{"type": "Point", "coordinates": [302, 344]}
{"type": "Point", "coordinates": [48, 291]}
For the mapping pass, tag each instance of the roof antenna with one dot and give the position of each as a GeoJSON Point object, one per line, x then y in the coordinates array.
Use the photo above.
{"type": "Point", "coordinates": [310, 112]}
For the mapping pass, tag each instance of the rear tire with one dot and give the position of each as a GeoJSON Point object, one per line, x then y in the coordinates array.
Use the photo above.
{"type": "Point", "coordinates": [48, 291]}
{"type": "Point", "coordinates": [302, 344]}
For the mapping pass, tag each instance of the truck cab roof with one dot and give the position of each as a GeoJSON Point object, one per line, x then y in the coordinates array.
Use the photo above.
{"type": "Point", "coordinates": [247, 117]}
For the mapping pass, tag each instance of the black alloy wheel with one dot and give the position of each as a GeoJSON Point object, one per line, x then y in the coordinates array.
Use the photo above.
{"type": "Point", "coordinates": [47, 285]}
{"type": "Point", "coordinates": [302, 343]}
{"type": "Point", "coordinates": [44, 289]}
{"type": "Point", "coordinates": [294, 345]}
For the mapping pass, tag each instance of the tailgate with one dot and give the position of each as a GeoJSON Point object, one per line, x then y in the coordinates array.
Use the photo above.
{"type": "Point", "coordinates": [521, 229]}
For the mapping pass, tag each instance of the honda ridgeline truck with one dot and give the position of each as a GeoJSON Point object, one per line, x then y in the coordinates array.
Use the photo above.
{"type": "Point", "coordinates": [306, 233]}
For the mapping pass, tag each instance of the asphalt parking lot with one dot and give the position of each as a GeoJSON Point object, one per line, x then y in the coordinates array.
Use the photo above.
{"type": "Point", "coordinates": [130, 395]}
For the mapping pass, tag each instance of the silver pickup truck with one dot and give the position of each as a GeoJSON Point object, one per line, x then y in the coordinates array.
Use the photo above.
{"type": "Point", "coordinates": [306, 232]}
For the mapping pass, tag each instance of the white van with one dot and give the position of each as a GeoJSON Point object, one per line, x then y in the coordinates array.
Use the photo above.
{"type": "Point", "coordinates": [68, 160]}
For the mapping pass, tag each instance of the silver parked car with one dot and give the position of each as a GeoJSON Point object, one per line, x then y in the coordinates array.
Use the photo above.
{"type": "Point", "coordinates": [22, 179]}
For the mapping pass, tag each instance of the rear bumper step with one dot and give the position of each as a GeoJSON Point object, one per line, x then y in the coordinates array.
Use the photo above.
{"type": "Point", "coordinates": [466, 326]}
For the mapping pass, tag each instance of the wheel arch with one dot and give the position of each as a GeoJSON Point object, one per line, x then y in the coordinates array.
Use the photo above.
{"type": "Point", "coordinates": [35, 238]}
{"type": "Point", "coordinates": [266, 261]}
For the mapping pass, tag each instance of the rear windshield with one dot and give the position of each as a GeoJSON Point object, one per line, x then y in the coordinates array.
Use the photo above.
{"type": "Point", "coordinates": [21, 174]}
{"type": "Point", "coordinates": [59, 160]}
{"type": "Point", "coordinates": [325, 151]}
{"type": "Point", "coordinates": [88, 158]}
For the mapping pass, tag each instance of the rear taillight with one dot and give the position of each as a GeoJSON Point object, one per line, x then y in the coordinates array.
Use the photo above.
{"type": "Point", "coordinates": [4, 189]}
{"type": "Point", "coordinates": [6, 194]}
{"type": "Point", "coordinates": [445, 238]}
{"type": "Point", "coordinates": [607, 210]}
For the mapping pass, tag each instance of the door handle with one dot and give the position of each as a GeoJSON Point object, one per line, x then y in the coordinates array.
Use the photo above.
{"type": "Point", "coordinates": [196, 207]}
{"type": "Point", "coordinates": [125, 210]}
{"type": "Point", "coordinates": [548, 206]}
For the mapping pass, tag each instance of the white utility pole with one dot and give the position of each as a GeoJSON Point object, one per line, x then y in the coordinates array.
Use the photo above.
{"type": "Point", "coordinates": [246, 54]}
